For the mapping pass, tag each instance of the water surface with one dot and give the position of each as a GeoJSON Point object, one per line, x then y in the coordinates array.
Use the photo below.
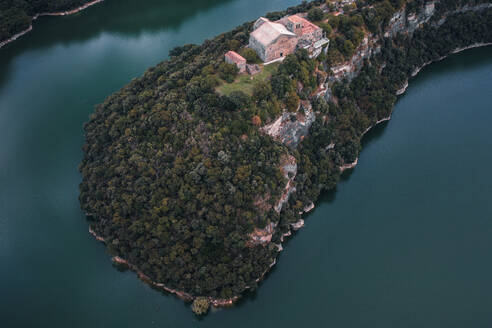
{"type": "Point", "coordinates": [405, 240]}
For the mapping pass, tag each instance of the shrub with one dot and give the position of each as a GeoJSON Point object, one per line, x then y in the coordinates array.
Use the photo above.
{"type": "Point", "coordinates": [292, 101]}
{"type": "Point", "coordinates": [262, 91]}
{"type": "Point", "coordinates": [200, 306]}
{"type": "Point", "coordinates": [315, 14]}
{"type": "Point", "coordinates": [228, 72]}
{"type": "Point", "coordinates": [251, 56]}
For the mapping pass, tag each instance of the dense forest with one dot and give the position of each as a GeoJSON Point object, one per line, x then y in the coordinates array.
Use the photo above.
{"type": "Point", "coordinates": [17, 15]}
{"type": "Point", "coordinates": [176, 176]}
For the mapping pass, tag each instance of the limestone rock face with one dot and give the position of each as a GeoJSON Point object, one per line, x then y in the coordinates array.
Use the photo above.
{"type": "Point", "coordinates": [291, 128]}
{"type": "Point", "coordinates": [401, 22]}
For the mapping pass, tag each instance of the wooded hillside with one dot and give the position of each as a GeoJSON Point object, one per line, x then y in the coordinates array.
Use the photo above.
{"type": "Point", "coordinates": [176, 176]}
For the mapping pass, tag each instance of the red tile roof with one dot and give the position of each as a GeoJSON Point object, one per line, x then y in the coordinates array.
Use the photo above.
{"type": "Point", "coordinates": [235, 57]}
{"type": "Point", "coordinates": [307, 26]}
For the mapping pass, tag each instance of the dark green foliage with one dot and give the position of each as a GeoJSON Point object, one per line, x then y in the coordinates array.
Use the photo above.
{"type": "Point", "coordinates": [251, 56]}
{"type": "Point", "coordinates": [371, 96]}
{"type": "Point", "coordinates": [292, 101]}
{"type": "Point", "coordinates": [378, 16]}
{"type": "Point", "coordinates": [349, 34]}
{"type": "Point", "coordinates": [228, 72]}
{"type": "Point", "coordinates": [315, 14]}
{"type": "Point", "coordinates": [236, 100]}
{"type": "Point", "coordinates": [262, 91]}
{"type": "Point", "coordinates": [281, 84]}
{"type": "Point", "coordinates": [172, 170]}
{"type": "Point", "coordinates": [171, 173]}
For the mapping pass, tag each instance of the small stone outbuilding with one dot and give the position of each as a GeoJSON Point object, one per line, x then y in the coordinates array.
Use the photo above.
{"type": "Point", "coordinates": [233, 57]}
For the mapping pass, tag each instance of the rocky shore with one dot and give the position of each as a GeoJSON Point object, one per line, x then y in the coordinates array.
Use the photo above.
{"type": "Point", "coordinates": [290, 129]}
{"type": "Point", "coordinates": [403, 90]}
{"type": "Point", "coordinates": [61, 13]}
{"type": "Point", "coordinates": [350, 166]}
{"type": "Point", "coordinates": [349, 70]}
{"type": "Point", "coordinates": [217, 302]}
{"type": "Point", "coordinates": [458, 50]}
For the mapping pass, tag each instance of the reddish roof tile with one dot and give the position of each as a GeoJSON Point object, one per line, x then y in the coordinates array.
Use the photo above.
{"type": "Point", "coordinates": [235, 57]}
{"type": "Point", "coordinates": [307, 26]}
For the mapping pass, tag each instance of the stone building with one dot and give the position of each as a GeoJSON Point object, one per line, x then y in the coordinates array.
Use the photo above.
{"type": "Point", "coordinates": [233, 57]}
{"type": "Point", "coordinates": [274, 40]}
{"type": "Point", "coordinates": [304, 29]}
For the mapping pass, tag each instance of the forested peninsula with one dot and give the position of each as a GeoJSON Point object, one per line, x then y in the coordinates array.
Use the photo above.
{"type": "Point", "coordinates": [17, 16]}
{"type": "Point", "coordinates": [194, 173]}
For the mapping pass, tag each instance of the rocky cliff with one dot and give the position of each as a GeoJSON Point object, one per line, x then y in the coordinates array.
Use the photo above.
{"type": "Point", "coordinates": [292, 132]}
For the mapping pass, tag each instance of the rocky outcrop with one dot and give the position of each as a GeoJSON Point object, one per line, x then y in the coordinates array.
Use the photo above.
{"type": "Point", "coordinates": [402, 89]}
{"type": "Point", "coordinates": [401, 22]}
{"type": "Point", "coordinates": [349, 166]}
{"type": "Point", "coordinates": [289, 170]}
{"type": "Point", "coordinates": [98, 238]}
{"type": "Point", "coordinates": [350, 69]}
{"type": "Point", "coordinates": [297, 225]}
{"type": "Point", "coordinates": [408, 23]}
{"type": "Point", "coordinates": [464, 9]}
{"type": "Point", "coordinates": [291, 128]}
{"type": "Point", "coordinates": [262, 236]}
{"type": "Point", "coordinates": [307, 209]}
{"type": "Point", "coordinates": [290, 131]}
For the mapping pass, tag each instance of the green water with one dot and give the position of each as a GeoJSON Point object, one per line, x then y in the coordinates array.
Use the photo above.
{"type": "Point", "coordinates": [405, 241]}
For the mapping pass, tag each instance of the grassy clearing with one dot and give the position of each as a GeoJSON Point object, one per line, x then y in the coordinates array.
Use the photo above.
{"type": "Point", "coordinates": [245, 82]}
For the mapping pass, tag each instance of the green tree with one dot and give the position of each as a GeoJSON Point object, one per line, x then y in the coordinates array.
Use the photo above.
{"type": "Point", "coordinates": [251, 56]}
{"type": "Point", "coordinates": [281, 84]}
{"type": "Point", "coordinates": [315, 14]}
{"type": "Point", "coordinates": [262, 91]}
{"type": "Point", "coordinates": [292, 101]}
{"type": "Point", "coordinates": [200, 306]}
{"type": "Point", "coordinates": [228, 72]}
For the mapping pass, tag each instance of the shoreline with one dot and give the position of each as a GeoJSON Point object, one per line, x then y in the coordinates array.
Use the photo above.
{"type": "Point", "coordinates": [298, 225]}
{"type": "Point", "coordinates": [405, 87]}
{"type": "Point", "coordinates": [350, 166]}
{"type": "Point", "coordinates": [455, 51]}
{"type": "Point", "coordinates": [216, 302]}
{"type": "Point", "coordinates": [60, 13]}
{"type": "Point", "coordinates": [295, 226]}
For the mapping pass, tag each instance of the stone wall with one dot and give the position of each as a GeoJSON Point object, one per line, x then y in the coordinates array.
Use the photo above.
{"type": "Point", "coordinates": [240, 63]}
{"type": "Point", "coordinates": [283, 46]}
{"type": "Point", "coordinates": [258, 47]}
{"type": "Point", "coordinates": [312, 37]}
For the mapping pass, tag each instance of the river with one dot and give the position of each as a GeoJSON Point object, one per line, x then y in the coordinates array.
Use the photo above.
{"type": "Point", "coordinates": [404, 241]}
